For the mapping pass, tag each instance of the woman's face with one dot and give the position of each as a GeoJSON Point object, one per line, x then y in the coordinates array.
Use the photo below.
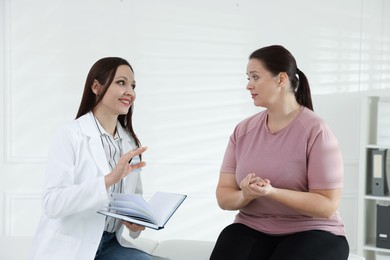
{"type": "Point", "coordinates": [120, 95]}
{"type": "Point", "coordinates": [262, 84]}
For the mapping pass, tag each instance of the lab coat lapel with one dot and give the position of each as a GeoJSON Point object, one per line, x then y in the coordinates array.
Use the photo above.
{"type": "Point", "coordinates": [98, 154]}
{"type": "Point", "coordinates": [88, 126]}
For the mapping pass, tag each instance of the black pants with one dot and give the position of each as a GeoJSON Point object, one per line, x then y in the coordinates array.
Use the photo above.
{"type": "Point", "coordinates": [239, 242]}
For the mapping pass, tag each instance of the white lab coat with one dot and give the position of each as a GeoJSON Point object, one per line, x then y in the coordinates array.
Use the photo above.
{"type": "Point", "coordinates": [74, 189]}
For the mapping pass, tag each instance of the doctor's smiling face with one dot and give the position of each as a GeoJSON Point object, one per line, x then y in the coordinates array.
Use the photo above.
{"type": "Point", "coordinates": [109, 94]}
{"type": "Point", "coordinates": [120, 94]}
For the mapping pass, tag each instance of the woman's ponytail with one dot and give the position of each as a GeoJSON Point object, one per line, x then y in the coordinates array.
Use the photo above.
{"type": "Point", "coordinates": [302, 92]}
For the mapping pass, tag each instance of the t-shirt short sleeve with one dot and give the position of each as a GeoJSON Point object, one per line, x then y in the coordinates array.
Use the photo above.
{"type": "Point", "coordinates": [325, 166]}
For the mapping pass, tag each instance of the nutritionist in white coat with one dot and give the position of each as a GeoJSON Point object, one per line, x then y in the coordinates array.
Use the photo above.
{"type": "Point", "coordinates": [88, 161]}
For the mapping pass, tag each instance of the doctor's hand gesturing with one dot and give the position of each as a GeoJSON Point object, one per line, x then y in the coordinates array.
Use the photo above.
{"type": "Point", "coordinates": [123, 167]}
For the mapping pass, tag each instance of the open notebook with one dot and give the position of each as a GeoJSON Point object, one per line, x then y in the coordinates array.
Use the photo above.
{"type": "Point", "coordinates": [152, 214]}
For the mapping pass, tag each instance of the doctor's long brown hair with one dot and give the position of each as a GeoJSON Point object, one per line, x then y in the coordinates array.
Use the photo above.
{"type": "Point", "coordinates": [104, 72]}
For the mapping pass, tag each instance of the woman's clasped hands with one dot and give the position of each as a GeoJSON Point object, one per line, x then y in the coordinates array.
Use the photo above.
{"type": "Point", "coordinates": [253, 186]}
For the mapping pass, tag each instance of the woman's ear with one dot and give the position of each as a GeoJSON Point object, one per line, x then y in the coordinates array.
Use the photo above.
{"type": "Point", "coordinates": [283, 79]}
{"type": "Point", "coordinates": [96, 87]}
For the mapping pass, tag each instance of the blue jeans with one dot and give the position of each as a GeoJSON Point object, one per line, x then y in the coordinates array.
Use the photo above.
{"type": "Point", "coordinates": [110, 249]}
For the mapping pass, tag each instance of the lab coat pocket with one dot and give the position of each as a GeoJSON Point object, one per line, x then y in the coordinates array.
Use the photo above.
{"type": "Point", "coordinates": [61, 246]}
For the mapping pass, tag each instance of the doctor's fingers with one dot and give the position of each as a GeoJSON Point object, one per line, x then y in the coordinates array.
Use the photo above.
{"type": "Point", "coordinates": [133, 227]}
{"type": "Point", "coordinates": [136, 166]}
{"type": "Point", "coordinates": [129, 155]}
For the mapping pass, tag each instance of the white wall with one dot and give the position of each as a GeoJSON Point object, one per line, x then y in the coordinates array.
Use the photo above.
{"type": "Point", "coordinates": [190, 61]}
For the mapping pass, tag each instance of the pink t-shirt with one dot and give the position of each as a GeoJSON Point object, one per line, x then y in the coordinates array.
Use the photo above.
{"type": "Point", "coordinates": [304, 155]}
